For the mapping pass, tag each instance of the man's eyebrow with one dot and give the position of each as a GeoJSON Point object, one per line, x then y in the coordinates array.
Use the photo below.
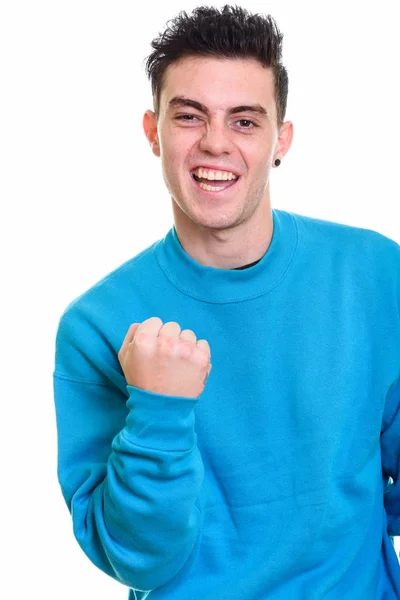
{"type": "Point", "coordinates": [182, 101]}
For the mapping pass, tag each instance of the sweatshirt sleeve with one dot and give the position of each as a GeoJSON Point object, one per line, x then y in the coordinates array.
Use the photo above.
{"type": "Point", "coordinates": [128, 465]}
{"type": "Point", "coordinates": [390, 454]}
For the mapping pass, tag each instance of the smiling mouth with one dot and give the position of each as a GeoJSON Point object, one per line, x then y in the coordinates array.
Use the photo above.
{"type": "Point", "coordinates": [213, 185]}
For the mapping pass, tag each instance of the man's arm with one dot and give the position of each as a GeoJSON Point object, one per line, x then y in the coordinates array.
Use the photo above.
{"type": "Point", "coordinates": [128, 465]}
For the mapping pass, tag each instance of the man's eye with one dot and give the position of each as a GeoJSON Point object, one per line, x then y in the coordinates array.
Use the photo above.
{"type": "Point", "coordinates": [247, 121]}
{"type": "Point", "coordinates": [185, 117]}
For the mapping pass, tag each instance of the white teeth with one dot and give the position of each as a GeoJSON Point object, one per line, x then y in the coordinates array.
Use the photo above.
{"type": "Point", "coordinates": [211, 188]}
{"type": "Point", "coordinates": [212, 175]}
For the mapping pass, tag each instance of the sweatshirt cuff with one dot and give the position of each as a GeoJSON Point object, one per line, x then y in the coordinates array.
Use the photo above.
{"type": "Point", "coordinates": [160, 421]}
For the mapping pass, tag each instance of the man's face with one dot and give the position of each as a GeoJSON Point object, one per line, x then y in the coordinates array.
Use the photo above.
{"type": "Point", "coordinates": [209, 134]}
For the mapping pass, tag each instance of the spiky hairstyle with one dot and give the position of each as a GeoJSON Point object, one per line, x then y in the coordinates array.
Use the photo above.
{"type": "Point", "coordinates": [231, 32]}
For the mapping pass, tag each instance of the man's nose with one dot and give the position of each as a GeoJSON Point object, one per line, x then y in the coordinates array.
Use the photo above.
{"type": "Point", "coordinates": [216, 139]}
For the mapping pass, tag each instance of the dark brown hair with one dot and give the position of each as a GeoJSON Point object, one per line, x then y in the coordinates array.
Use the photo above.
{"type": "Point", "coordinates": [231, 32]}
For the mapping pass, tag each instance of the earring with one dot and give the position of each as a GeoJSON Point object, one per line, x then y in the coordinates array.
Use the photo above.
{"type": "Point", "coordinates": [277, 162]}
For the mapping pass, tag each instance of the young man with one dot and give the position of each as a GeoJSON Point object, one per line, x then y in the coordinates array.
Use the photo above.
{"type": "Point", "coordinates": [278, 477]}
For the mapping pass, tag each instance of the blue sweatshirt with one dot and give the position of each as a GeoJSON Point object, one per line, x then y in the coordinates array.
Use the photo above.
{"type": "Point", "coordinates": [281, 481]}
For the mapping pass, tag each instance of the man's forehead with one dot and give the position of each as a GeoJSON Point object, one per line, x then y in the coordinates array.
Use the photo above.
{"type": "Point", "coordinates": [196, 62]}
{"type": "Point", "coordinates": [232, 94]}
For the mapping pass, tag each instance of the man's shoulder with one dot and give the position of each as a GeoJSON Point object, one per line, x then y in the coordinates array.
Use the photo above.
{"type": "Point", "coordinates": [116, 283]}
{"type": "Point", "coordinates": [348, 236]}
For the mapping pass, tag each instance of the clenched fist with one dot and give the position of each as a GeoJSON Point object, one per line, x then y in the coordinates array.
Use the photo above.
{"type": "Point", "coordinates": [165, 360]}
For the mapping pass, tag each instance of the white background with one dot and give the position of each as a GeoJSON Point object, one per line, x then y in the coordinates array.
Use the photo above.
{"type": "Point", "coordinates": [81, 193]}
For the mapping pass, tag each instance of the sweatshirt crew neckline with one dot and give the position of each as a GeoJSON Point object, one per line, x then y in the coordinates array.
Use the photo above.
{"type": "Point", "coordinates": [230, 285]}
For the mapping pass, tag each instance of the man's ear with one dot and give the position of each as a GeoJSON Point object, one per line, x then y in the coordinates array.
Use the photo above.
{"type": "Point", "coordinates": [285, 138]}
{"type": "Point", "coordinates": [150, 130]}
